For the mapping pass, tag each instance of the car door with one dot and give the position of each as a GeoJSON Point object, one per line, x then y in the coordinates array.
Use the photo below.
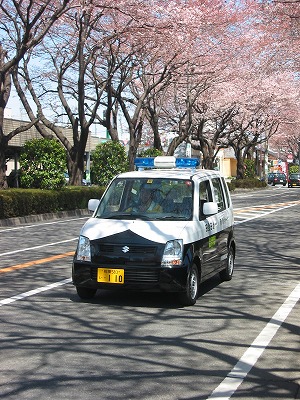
{"type": "Point", "coordinates": [222, 220]}
{"type": "Point", "coordinates": [209, 224]}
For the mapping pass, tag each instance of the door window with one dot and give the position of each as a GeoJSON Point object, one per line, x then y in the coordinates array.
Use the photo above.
{"type": "Point", "coordinates": [204, 196]}
{"type": "Point", "coordinates": [218, 194]}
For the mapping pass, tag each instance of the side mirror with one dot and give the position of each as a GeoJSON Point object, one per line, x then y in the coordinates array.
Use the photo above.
{"type": "Point", "coordinates": [93, 204]}
{"type": "Point", "coordinates": [210, 208]}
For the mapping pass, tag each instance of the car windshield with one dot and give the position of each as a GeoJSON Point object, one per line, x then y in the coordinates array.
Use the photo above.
{"type": "Point", "coordinates": [148, 199]}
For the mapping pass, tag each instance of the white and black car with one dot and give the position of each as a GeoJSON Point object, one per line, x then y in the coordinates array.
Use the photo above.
{"type": "Point", "coordinates": [166, 227]}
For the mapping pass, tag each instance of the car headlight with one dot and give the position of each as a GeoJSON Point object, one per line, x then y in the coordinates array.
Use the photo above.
{"type": "Point", "coordinates": [83, 249]}
{"type": "Point", "coordinates": [173, 253]}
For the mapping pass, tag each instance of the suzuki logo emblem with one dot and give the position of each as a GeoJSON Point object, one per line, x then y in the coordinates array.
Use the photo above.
{"type": "Point", "coordinates": [125, 249]}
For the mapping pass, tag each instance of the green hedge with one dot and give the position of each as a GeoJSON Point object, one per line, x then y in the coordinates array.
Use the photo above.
{"type": "Point", "coordinates": [247, 183]}
{"type": "Point", "coordinates": [23, 202]}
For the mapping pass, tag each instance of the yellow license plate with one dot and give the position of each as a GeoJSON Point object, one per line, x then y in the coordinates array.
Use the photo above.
{"type": "Point", "coordinates": [110, 275]}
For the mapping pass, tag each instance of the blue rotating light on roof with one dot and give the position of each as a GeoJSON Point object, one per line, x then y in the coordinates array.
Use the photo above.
{"type": "Point", "coordinates": [185, 162]}
{"type": "Point", "coordinates": [166, 162]}
{"type": "Point", "coordinates": [144, 162]}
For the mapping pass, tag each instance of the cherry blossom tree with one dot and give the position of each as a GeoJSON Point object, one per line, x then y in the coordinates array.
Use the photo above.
{"type": "Point", "coordinates": [244, 102]}
{"type": "Point", "coordinates": [23, 25]}
{"type": "Point", "coordinates": [203, 70]}
{"type": "Point", "coordinates": [69, 94]}
{"type": "Point", "coordinates": [94, 58]}
{"type": "Point", "coordinates": [280, 27]}
{"type": "Point", "coordinates": [201, 39]}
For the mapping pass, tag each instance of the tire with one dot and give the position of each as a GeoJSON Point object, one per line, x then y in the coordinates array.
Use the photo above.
{"type": "Point", "coordinates": [226, 274]}
{"type": "Point", "coordinates": [189, 297]}
{"type": "Point", "coordinates": [85, 293]}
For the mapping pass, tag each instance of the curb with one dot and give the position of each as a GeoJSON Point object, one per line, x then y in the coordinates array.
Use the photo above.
{"type": "Point", "coordinates": [43, 217]}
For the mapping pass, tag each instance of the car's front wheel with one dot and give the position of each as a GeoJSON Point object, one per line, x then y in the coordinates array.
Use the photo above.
{"type": "Point", "coordinates": [85, 293]}
{"type": "Point", "coordinates": [189, 297]}
{"type": "Point", "coordinates": [226, 273]}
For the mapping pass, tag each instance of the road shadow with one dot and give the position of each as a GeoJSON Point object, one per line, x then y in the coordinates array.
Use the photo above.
{"type": "Point", "coordinates": [143, 299]}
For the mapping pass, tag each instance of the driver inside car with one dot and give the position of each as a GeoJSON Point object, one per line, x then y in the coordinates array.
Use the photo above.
{"type": "Point", "coordinates": [148, 201]}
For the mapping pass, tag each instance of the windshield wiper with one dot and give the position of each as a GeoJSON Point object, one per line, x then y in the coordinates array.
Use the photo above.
{"type": "Point", "coordinates": [143, 217]}
{"type": "Point", "coordinates": [115, 216]}
{"type": "Point", "coordinates": [175, 217]}
{"type": "Point", "coordinates": [125, 216]}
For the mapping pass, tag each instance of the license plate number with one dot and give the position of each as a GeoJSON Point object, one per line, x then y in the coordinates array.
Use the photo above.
{"type": "Point", "coordinates": [110, 275]}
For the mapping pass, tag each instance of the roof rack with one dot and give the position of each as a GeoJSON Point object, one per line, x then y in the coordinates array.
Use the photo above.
{"type": "Point", "coordinates": [165, 162]}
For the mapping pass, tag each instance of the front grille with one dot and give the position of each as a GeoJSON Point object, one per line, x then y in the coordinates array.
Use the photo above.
{"type": "Point", "coordinates": [141, 276]}
{"type": "Point", "coordinates": [135, 275]}
{"type": "Point", "coordinates": [103, 249]}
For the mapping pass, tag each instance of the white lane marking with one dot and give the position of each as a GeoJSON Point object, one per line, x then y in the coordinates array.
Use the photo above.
{"type": "Point", "coordinates": [33, 292]}
{"type": "Point", "coordinates": [37, 247]}
{"type": "Point", "coordinates": [236, 376]}
{"type": "Point", "coordinates": [263, 214]}
{"type": "Point", "coordinates": [5, 229]}
{"type": "Point", "coordinates": [249, 214]}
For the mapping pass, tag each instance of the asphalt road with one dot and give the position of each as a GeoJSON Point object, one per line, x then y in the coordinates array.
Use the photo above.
{"type": "Point", "coordinates": [240, 340]}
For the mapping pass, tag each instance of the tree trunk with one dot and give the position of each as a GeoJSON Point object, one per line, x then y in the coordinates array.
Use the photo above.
{"type": "Point", "coordinates": [240, 170]}
{"type": "Point", "coordinates": [3, 147]}
{"type": "Point", "coordinates": [75, 171]}
{"type": "Point", "coordinates": [75, 160]}
{"type": "Point", "coordinates": [5, 87]}
{"type": "Point", "coordinates": [154, 123]}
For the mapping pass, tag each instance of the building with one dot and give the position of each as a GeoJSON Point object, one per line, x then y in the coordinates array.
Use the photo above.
{"type": "Point", "coordinates": [16, 144]}
{"type": "Point", "coordinates": [227, 163]}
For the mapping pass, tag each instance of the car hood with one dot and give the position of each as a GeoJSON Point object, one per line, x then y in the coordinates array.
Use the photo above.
{"type": "Point", "coordinates": [156, 231]}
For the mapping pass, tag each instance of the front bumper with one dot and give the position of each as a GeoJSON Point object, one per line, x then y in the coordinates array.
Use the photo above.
{"type": "Point", "coordinates": [152, 279]}
{"type": "Point", "coordinates": [291, 184]}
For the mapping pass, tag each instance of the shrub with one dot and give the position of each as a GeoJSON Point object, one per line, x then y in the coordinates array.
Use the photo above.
{"type": "Point", "coordinates": [23, 202]}
{"type": "Point", "coordinates": [43, 163]}
{"type": "Point", "coordinates": [151, 152]}
{"type": "Point", "coordinates": [109, 159]}
{"type": "Point", "coordinates": [249, 168]}
{"type": "Point", "coordinates": [246, 183]}
{"type": "Point", "coordinates": [294, 169]}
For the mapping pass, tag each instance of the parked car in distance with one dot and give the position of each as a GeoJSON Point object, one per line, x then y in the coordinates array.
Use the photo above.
{"type": "Point", "coordinates": [277, 178]}
{"type": "Point", "coordinates": [67, 179]}
{"type": "Point", "coordinates": [294, 180]}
